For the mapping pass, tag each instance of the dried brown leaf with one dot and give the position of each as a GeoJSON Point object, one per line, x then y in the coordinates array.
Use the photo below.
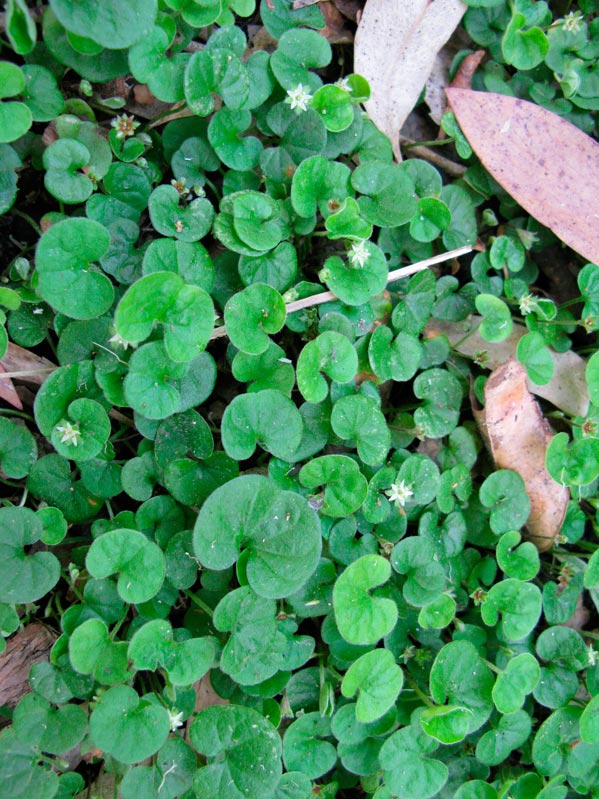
{"type": "Point", "coordinates": [395, 49]}
{"type": "Point", "coordinates": [567, 389]}
{"type": "Point", "coordinates": [466, 70]}
{"type": "Point", "coordinates": [26, 647]}
{"type": "Point", "coordinates": [26, 365]}
{"type": "Point", "coordinates": [8, 392]}
{"type": "Point", "coordinates": [518, 435]}
{"type": "Point", "coordinates": [335, 30]}
{"type": "Point", "coordinates": [548, 165]}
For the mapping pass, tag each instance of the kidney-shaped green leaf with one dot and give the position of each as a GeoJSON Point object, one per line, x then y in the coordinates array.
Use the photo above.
{"type": "Point", "coordinates": [232, 737]}
{"type": "Point", "coordinates": [67, 278]}
{"type": "Point", "coordinates": [139, 561]}
{"type": "Point", "coordinates": [280, 530]}
{"type": "Point", "coordinates": [185, 661]}
{"type": "Point", "coordinates": [24, 577]}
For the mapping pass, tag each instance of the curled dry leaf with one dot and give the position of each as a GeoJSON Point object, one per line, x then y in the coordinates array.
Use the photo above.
{"type": "Point", "coordinates": [395, 49]}
{"type": "Point", "coordinates": [567, 389]}
{"type": "Point", "coordinates": [26, 365]}
{"type": "Point", "coordinates": [466, 70]}
{"type": "Point", "coordinates": [517, 435]}
{"type": "Point", "coordinates": [30, 645]}
{"type": "Point", "coordinates": [549, 166]}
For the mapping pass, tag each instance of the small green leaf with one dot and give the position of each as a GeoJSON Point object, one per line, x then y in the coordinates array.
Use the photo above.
{"type": "Point", "coordinates": [190, 223]}
{"type": "Point", "coordinates": [364, 618]}
{"type": "Point", "coordinates": [334, 107]}
{"type": "Point", "coordinates": [53, 730]}
{"type": "Point", "coordinates": [330, 353]}
{"type": "Point", "coordinates": [505, 493]}
{"type": "Point", "coordinates": [18, 450]}
{"type": "Point", "coordinates": [185, 311]}
{"type": "Point", "coordinates": [497, 744]}
{"type": "Point", "coordinates": [139, 562]}
{"type": "Point", "coordinates": [127, 726]}
{"type": "Point", "coordinates": [230, 737]}
{"type": "Point", "coordinates": [24, 577]}
{"type": "Point", "coordinates": [517, 561]}
{"type": "Point", "coordinates": [408, 769]}
{"type": "Point", "coordinates": [345, 486]}
{"type": "Point", "coordinates": [447, 724]}
{"type": "Point", "coordinates": [356, 417]}
{"type": "Point", "coordinates": [67, 278]}
{"type": "Point", "coordinates": [252, 315]}
{"type": "Point", "coordinates": [305, 747]}
{"type": "Point", "coordinates": [520, 678]}
{"type": "Point", "coordinates": [377, 679]}
{"type": "Point", "coordinates": [185, 661]}
{"type": "Point", "coordinates": [277, 529]}
{"type": "Point", "coordinates": [517, 603]}
{"type": "Point", "coordinates": [536, 357]}
{"type": "Point", "coordinates": [266, 418]}
{"type": "Point", "coordinates": [20, 27]}
{"type": "Point", "coordinates": [497, 320]}
{"type": "Point", "coordinates": [523, 49]}
{"type": "Point", "coordinates": [92, 651]}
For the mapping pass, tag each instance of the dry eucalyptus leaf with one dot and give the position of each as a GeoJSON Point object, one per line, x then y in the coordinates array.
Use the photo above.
{"type": "Point", "coordinates": [567, 389]}
{"type": "Point", "coordinates": [29, 645]}
{"type": "Point", "coordinates": [31, 368]}
{"type": "Point", "coordinates": [395, 49]}
{"type": "Point", "coordinates": [518, 435]}
{"type": "Point", "coordinates": [548, 165]}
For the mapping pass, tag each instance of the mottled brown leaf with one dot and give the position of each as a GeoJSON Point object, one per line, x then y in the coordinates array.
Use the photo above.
{"type": "Point", "coordinates": [395, 49]}
{"type": "Point", "coordinates": [549, 166]}
{"type": "Point", "coordinates": [567, 389]}
{"type": "Point", "coordinates": [517, 435]}
{"type": "Point", "coordinates": [30, 645]}
{"type": "Point", "coordinates": [463, 77]}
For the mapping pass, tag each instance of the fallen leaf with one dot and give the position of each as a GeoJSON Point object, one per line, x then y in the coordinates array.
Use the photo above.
{"type": "Point", "coordinates": [395, 49]}
{"type": "Point", "coordinates": [335, 30]}
{"type": "Point", "coordinates": [549, 166]}
{"type": "Point", "coordinates": [466, 70]}
{"type": "Point", "coordinates": [517, 435]}
{"type": "Point", "coordinates": [350, 8]}
{"type": "Point", "coordinates": [26, 365]}
{"type": "Point", "coordinates": [567, 389]}
{"type": "Point", "coordinates": [8, 392]}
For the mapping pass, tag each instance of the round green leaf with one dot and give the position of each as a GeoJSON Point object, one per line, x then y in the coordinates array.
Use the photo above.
{"type": "Point", "coordinates": [521, 561]}
{"type": "Point", "coordinates": [496, 324]}
{"type": "Point", "coordinates": [459, 677]}
{"type": "Point", "coordinates": [186, 311]}
{"type": "Point", "coordinates": [139, 562]}
{"type": "Point", "coordinates": [280, 533]}
{"type": "Point", "coordinates": [126, 726]}
{"type": "Point", "coordinates": [519, 605]}
{"type": "Point", "coordinates": [331, 353]}
{"type": "Point", "coordinates": [573, 463]}
{"type": "Point", "coordinates": [356, 417]}
{"type": "Point", "coordinates": [334, 107]}
{"type": "Point", "coordinates": [67, 278]}
{"type": "Point", "coordinates": [408, 769]}
{"type": "Point", "coordinates": [363, 618]}
{"type": "Point", "coordinates": [53, 730]}
{"type": "Point", "coordinates": [190, 223]}
{"type": "Point", "coordinates": [267, 418]}
{"type": "Point", "coordinates": [359, 278]}
{"type": "Point", "coordinates": [24, 577]}
{"type": "Point", "coordinates": [83, 432]}
{"type": "Point", "coordinates": [377, 679]}
{"type": "Point", "coordinates": [511, 732]}
{"type": "Point", "coordinates": [394, 359]}
{"type": "Point", "coordinates": [388, 193]}
{"type": "Point", "coordinates": [231, 737]}
{"type": "Point", "coordinates": [92, 651]}
{"type": "Point", "coordinates": [520, 678]}
{"type": "Point", "coordinates": [252, 315]}
{"type": "Point", "coordinates": [536, 357]}
{"type": "Point", "coordinates": [345, 486]}
{"type": "Point", "coordinates": [110, 23]}
{"type": "Point", "coordinates": [447, 724]}
{"type": "Point", "coordinates": [185, 661]}
{"type": "Point", "coordinates": [235, 151]}
{"type": "Point", "coordinates": [442, 394]}
{"type": "Point", "coordinates": [319, 185]}
{"type": "Point", "coordinates": [431, 217]}
{"type": "Point", "coordinates": [18, 450]}
{"type": "Point", "coordinates": [305, 747]}
{"type": "Point", "coordinates": [153, 384]}
{"type": "Point", "coordinates": [505, 493]}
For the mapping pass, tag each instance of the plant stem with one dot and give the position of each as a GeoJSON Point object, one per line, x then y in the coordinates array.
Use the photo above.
{"type": "Point", "coordinates": [28, 219]}
{"type": "Point", "coordinates": [396, 274]}
{"type": "Point", "coordinates": [417, 690]}
{"type": "Point", "coordinates": [199, 602]}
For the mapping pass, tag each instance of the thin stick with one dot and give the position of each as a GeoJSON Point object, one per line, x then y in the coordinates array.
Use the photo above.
{"type": "Point", "coordinates": [28, 372]}
{"type": "Point", "coordinates": [414, 150]}
{"type": "Point", "coordinates": [396, 274]}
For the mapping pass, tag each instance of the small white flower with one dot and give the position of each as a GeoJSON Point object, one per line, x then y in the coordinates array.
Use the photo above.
{"type": "Point", "coordinates": [70, 433]}
{"type": "Point", "coordinates": [175, 719]}
{"type": "Point", "coordinates": [592, 655]}
{"type": "Point", "coordinates": [118, 341]}
{"type": "Point", "coordinates": [359, 255]}
{"type": "Point", "coordinates": [399, 493]}
{"type": "Point", "coordinates": [573, 21]}
{"type": "Point", "coordinates": [124, 125]}
{"type": "Point", "coordinates": [298, 98]}
{"type": "Point", "coordinates": [343, 83]}
{"type": "Point", "coordinates": [527, 304]}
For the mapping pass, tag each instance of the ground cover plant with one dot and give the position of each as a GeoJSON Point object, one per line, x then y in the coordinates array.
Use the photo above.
{"type": "Point", "coordinates": [218, 480]}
